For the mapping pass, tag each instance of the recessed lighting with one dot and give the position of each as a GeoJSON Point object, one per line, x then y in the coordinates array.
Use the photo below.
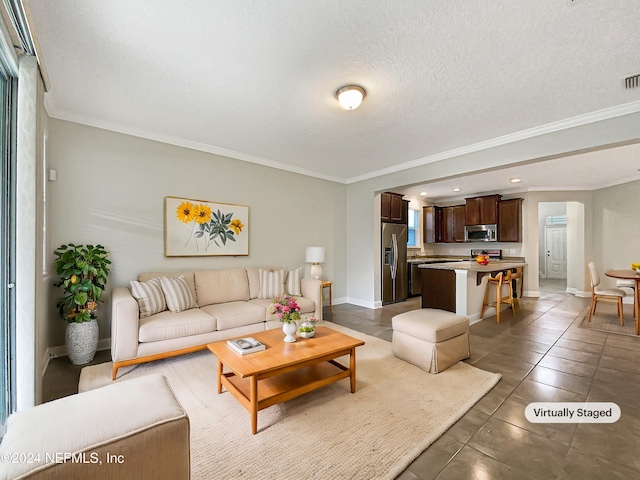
{"type": "Point", "coordinates": [515, 180]}
{"type": "Point", "coordinates": [423, 193]}
{"type": "Point", "coordinates": [456, 189]}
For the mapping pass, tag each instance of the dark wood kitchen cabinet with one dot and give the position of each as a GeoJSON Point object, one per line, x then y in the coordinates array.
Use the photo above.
{"type": "Point", "coordinates": [453, 221]}
{"type": "Point", "coordinates": [482, 210]}
{"type": "Point", "coordinates": [510, 220]}
{"type": "Point", "coordinates": [432, 224]}
{"type": "Point", "coordinates": [393, 208]}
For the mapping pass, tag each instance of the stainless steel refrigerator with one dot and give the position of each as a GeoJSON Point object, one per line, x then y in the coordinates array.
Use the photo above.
{"type": "Point", "coordinates": [394, 263]}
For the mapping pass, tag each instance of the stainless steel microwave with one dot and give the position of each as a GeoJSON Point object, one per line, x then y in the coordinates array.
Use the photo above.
{"type": "Point", "coordinates": [481, 233]}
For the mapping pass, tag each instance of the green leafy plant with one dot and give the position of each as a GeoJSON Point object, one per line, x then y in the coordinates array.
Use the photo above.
{"type": "Point", "coordinates": [83, 274]}
{"type": "Point", "coordinates": [309, 325]}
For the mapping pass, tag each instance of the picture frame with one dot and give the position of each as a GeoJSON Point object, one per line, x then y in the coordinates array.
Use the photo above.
{"type": "Point", "coordinates": [196, 228]}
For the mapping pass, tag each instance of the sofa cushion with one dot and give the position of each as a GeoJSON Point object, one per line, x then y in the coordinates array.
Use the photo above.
{"type": "Point", "coordinates": [177, 294]}
{"type": "Point", "coordinates": [254, 282]}
{"type": "Point", "coordinates": [169, 325]}
{"type": "Point", "coordinates": [188, 276]}
{"type": "Point", "coordinates": [220, 286]}
{"type": "Point", "coordinates": [253, 274]}
{"type": "Point", "coordinates": [306, 305]}
{"type": "Point", "coordinates": [149, 296]}
{"type": "Point", "coordinates": [293, 281]}
{"type": "Point", "coordinates": [235, 314]}
{"type": "Point", "coordinates": [271, 283]}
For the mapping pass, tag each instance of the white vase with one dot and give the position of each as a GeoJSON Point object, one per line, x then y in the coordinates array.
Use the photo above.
{"type": "Point", "coordinates": [81, 340]}
{"type": "Point", "coordinates": [289, 330]}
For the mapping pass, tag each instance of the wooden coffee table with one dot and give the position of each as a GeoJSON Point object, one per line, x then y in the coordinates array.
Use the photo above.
{"type": "Point", "coordinates": [284, 370]}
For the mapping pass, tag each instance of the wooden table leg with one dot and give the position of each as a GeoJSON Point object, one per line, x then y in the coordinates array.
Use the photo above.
{"type": "Point", "coordinates": [636, 301]}
{"type": "Point", "coordinates": [219, 377]}
{"type": "Point", "coordinates": [331, 300]}
{"type": "Point", "coordinates": [254, 404]}
{"type": "Point", "coordinates": [352, 367]}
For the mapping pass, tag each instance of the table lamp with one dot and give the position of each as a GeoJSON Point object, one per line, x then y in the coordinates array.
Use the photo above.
{"type": "Point", "coordinates": [315, 255]}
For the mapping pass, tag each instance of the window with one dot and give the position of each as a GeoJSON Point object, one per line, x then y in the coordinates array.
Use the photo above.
{"type": "Point", "coordinates": [413, 238]}
{"type": "Point", "coordinates": [7, 244]}
{"type": "Point", "coordinates": [556, 219]}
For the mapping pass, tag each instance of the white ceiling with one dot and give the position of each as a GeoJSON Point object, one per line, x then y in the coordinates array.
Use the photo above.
{"type": "Point", "coordinates": [585, 171]}
{"type": "Point", "coordinates": [255, 80]}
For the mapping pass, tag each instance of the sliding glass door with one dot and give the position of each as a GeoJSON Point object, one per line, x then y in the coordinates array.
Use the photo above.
{"type": "Point", "coordinates": [7, 246]}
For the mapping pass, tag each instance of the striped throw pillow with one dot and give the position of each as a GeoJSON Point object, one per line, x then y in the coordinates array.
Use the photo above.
{"type": "Point", "coordinates": [293, 282]}
{"type": "Point", "coordinates": [149, 296]}
{"type": "Point", "coordinates": [177, 294]}
{"type": "Point", "coordinates": [271, 283]}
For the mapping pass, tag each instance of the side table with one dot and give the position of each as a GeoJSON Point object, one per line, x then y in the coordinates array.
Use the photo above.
{"type": "Point", "coordinates": [325, 284]}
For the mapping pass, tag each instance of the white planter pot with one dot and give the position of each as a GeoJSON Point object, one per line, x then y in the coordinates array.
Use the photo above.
{"type": "Point", "coordinates": [81, 340]}
{"type": "Point", "coordinates": [289, 330]}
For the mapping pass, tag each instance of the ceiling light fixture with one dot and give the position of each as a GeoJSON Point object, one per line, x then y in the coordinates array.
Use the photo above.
{"type": "Point", "coordinates": [350, 96]}
{"type": "Point", "coordinates": [423, 193]}
{"type": "Point", "coordinates": [515, 180]}
{"type": "Point", "coordinates": [456, 189]}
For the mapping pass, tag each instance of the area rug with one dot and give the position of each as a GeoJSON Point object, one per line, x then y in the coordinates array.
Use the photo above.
{"type": "Point", "coordinates": [606, 320]}
{"type": "Point", "coordinates": [396, 412]}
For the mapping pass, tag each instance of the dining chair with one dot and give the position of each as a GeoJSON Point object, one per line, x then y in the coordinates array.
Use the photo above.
{"type": "Point", "coordinates": [501, 280]}
{"type": "Point", "coordinates": [606, 295]}
{"type": "Point", "coordinates": [629, 288]}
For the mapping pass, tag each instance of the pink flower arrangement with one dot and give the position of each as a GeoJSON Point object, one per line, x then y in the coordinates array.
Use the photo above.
{"type": "Point", "coordinates": [285, 309]}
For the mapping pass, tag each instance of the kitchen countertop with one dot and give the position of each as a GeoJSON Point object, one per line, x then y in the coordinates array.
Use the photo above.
{"type": "Point", "coordinates": [493, 266]}
{"type": "Point", "coordinates": [431, 260]}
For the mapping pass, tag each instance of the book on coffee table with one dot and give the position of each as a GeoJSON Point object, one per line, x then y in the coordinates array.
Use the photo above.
{"type": "Point", "coordinates": [245, 345]}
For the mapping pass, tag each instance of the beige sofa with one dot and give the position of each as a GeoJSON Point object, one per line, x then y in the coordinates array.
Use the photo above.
{"type": "Point", "coordinates": [228, 305]}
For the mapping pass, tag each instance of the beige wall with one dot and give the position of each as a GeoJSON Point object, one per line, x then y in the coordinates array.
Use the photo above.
{"type": "Point", "coordinates": [110, 189]}
{"type": "Point", "coordinates": [616, 230]}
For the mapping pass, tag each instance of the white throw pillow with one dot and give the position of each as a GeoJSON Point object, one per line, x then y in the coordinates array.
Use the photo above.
{"type": "Point", "coordinates": [293, 282]}
{"type": "Point", "coordinates": [149, 296]}
{"type": "Point", "coordinates": [271, 283]}
{"type": "Point", "coordinates": [177, 294]}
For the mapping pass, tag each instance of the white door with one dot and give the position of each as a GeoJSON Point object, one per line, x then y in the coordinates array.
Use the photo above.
{"type": "Point", "coordinates": [556, 249]}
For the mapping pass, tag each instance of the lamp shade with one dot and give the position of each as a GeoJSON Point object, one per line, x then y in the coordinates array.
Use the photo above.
{"type": "Point", "coordinates": [314, 255]}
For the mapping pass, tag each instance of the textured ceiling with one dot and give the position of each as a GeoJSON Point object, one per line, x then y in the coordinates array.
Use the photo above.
{"type": "Point", "coordinates": [255, 80]}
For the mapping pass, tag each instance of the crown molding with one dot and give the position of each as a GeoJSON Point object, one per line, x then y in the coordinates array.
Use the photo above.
{"type": "Point", "coordinates": [600, 115]}
{"type": "Point", "coordinates": [182, 142]}
{"type": "Point", "coordinates": [605, 114]}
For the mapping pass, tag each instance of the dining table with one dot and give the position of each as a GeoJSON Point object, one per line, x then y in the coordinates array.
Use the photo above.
{"type": "Point", "coordinates": [629, 275]}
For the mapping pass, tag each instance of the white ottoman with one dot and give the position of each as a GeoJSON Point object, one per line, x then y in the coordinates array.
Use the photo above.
{"type": "Point", "coordinates": [431, 339]}
{"type": "Point", "coordinates": [134, 429]}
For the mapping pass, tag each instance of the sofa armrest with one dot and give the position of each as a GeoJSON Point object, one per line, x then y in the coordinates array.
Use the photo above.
{"type": "Point", "coordinates": [125, 322]}
{"type": "Point", "coordinates": [312, 289]}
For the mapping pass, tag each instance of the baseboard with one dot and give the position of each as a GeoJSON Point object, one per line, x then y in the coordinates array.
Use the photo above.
{"type": "Point", "coordinates": [531, 293]}
{"type": "Point", "coordinates": [578, 293]}
{"type": "Point", "coordinates": [61, 351]}
{"type": "Point", "coordinates": [475, 318]}
{"type": "Point", "coordinates": [362, 303]}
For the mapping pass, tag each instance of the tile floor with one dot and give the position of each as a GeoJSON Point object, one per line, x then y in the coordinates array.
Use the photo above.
{"type": "Point", "coordinates": [542, 356]}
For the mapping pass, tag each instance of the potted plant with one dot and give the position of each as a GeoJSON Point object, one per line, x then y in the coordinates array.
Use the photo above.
{"type": "Point", "coordinates": [307, 329]}
{"type": "Point", "coordinates": [285, 309]}
{"type": "Point", "coordinates": [83, 271]}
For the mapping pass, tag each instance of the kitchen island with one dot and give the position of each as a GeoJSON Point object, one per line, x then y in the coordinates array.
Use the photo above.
{"type": "Point", "coordinates": [460, 286]}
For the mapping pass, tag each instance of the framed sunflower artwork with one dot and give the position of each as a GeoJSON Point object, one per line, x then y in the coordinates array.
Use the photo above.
{"type": "Point", "coordinates": [201, 228]}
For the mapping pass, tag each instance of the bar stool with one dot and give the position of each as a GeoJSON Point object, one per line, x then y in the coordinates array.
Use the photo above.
{"type": "Point", "coordinates": [517, 276]}
{"type": "Point", "coordinates": [500, 280]}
